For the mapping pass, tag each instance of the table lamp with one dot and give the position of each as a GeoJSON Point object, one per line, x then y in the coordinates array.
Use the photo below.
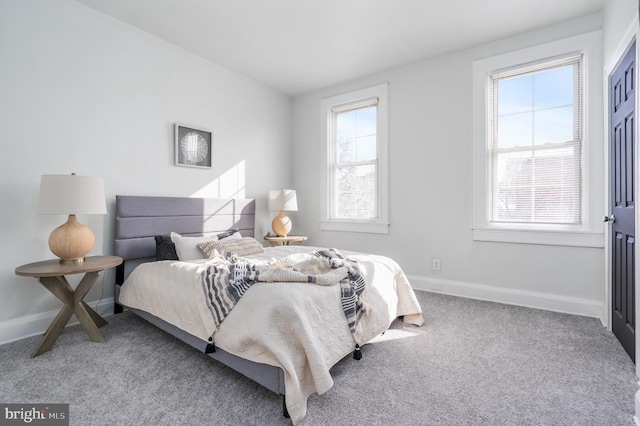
{"type": "Point", "coordinates": [71, 195]}
{"type": "Point", "coordinates": [283, 200]}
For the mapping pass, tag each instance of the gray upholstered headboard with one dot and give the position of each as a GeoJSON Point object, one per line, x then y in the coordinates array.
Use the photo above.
{"type": "Point", "coordinates": [140, 218]}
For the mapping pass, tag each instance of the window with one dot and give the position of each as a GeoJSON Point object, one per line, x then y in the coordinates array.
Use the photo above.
{"type": "Point", "coordinates": [355, 169]}
{"type": "Point", "coordinates": [531, 145]}
{"type": "Point", "coordinates": [535, 143]}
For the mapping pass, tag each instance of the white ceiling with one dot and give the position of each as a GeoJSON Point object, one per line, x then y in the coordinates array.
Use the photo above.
{"type": "Point", "coordinates": [301, 45]}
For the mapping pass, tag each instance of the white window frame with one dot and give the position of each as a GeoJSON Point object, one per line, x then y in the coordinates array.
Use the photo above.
{"type": "Point", "coordinates": [380, 224]}
{"type": "Point", "coordinates": [585, 234]}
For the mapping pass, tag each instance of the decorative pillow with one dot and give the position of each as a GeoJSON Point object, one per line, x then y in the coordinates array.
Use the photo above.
{"type": "Point", "coordinates": [186, 246]}
{"type": "Point", "coordinates": [240, 246]}
{"type": "Point", "coordinates": [165, 249]}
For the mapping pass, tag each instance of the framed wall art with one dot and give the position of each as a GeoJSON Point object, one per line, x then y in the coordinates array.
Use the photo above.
{"type": "Point", "coordinates": [192, 147]}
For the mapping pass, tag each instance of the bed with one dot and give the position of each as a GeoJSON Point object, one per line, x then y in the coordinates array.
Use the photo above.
{"type": "Point", "coordinates": [283, 335]}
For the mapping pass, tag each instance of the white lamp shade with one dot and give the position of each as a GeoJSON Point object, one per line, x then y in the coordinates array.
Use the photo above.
{"type": "Point", "coordinates": [283, 199]}
{"type": "Point", "coordinates": [71, 194]}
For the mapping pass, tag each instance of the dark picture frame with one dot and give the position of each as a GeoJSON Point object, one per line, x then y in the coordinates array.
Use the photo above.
{"type": "Point", "coordinates": [193, 147]}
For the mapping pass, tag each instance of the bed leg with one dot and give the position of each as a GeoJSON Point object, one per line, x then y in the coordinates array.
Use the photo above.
{"type": "Point", "coordinates": [117, 308]}
{"type": "Point", "coordinates": [285, 412]}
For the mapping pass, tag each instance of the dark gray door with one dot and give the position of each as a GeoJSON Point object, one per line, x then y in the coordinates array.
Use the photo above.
{"type": "Point", "coordinates": [622, 218]}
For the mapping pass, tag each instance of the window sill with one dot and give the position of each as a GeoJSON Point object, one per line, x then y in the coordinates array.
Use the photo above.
{"type": "Point", "coordinates": [553, 238]}
{"type": "Point", "coordinates": [355, 226]}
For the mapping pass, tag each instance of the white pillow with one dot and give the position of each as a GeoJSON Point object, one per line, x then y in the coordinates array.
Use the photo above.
{"type": "Point", "coordinates": [186, 246]}
{"type": "Point", "coordinates": [236, 235]}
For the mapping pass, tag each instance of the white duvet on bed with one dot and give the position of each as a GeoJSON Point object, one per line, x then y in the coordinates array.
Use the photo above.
{"type": "Point", "coordinates": [299, 327]}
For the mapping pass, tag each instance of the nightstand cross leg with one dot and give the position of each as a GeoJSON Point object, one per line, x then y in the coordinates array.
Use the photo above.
{"type": "Point", "coordinates": [54, 330]}
{"type": "Point", "coordinates": [83, 288]}
{"type": "Point", "coordinates": [89, 318]}
{"type": "Point", "coordinates": [73, 304]}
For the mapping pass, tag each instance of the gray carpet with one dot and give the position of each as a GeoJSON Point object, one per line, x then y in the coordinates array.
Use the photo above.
{"type": "Point", "coordinates": [473, 363]}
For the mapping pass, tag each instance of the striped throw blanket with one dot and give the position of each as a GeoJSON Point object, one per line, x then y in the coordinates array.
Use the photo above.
{"type": "Point", "coordinates": [226, 281]}
{"type": "Point", "coordinates": [350, 288]}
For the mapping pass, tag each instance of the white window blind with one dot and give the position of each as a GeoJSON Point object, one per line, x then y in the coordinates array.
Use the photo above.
{"type": "Point", "coordinates": [535, 143]}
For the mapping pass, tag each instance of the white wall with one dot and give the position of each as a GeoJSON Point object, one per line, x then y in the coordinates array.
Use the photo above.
{"type": "Point", "coordinates": [431, 188]}
{"type": "Point", "coordinates": [81, 92]}
{"type": "Point", "coordinates": [617, 17]}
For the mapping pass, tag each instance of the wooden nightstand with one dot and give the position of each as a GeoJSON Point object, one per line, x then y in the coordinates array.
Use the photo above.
{"type": "Point", "coordinates": [51, 274]}
{"type": "Point", "coordinates": [285, 241]}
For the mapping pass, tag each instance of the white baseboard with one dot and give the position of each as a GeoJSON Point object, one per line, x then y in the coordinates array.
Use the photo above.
{"type": "Point", "coordinates": [530, 299]}
{"type": "Point", "coordinates": [637, 405]}
{"type": "Point", "coordinates": [32, 325]}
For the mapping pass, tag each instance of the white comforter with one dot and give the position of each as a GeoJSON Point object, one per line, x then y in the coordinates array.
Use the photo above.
{"type": "Point", "coordinates": [299, 327]}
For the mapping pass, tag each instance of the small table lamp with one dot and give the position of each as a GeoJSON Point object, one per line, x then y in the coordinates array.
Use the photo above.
{"type": "Point", "coordinates": [283, 200]}
{"type": "Point", "coordinates": [71, 195]}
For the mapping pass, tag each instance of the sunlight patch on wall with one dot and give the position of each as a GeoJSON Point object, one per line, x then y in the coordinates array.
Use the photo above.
{"type": "Point", "coordinates": [231, 184]}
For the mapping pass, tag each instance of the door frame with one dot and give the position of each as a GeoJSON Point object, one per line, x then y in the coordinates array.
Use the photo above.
{"type": "Point", "coordinates": [631, 35]}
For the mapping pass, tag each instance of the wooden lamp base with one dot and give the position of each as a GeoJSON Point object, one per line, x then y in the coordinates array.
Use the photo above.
{"type": "Point", "coordinates": [71, 241]}
{"type": "Point", "coordinates": [281, 225]}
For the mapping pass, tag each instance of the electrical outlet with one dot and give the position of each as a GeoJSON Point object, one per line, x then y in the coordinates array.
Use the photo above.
{"type": "Point", "coordinates": [436, 264]}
